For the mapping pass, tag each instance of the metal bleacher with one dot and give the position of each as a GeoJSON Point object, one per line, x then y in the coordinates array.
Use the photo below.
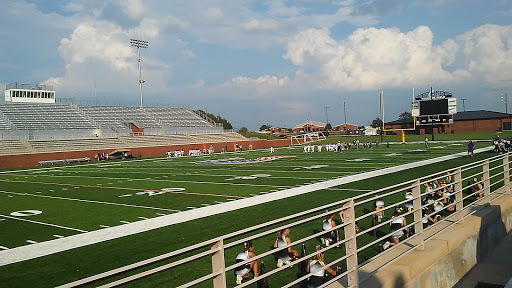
{"type": "Point", "coordinates": [13, 147]}
{"type": "Point", "coordinates": [119, 117]}
{"type": "Point", "coordinates": [44, 116]}
{"type": "Point", "coordinates": [178, 117]}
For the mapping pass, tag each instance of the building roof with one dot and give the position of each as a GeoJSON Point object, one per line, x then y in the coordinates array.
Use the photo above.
{"type": "Point", "coordinates": [311, 123]}
{"type": "Point", "coordinates": [343, 124]}
{"type": "Point", "coordinates": [463, 116]}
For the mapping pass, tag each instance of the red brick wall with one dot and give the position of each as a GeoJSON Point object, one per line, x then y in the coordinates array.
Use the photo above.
{"type": "Point", "coordinates": [460, 126]}
{"type": "Point", "coordinates": [27, 160]}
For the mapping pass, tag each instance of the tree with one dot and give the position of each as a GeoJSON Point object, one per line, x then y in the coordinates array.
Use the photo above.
{"type": "Point", "coordinates": [243, 130]}
{"type": "Point", "coordinates": [265, 127]}
{"type": "Point", "coordinates": [217, 119]}
{"type": "Point", "coordinates": [405, 115]}
{"type": "Point", "coordinates": [376, 123]}
{"type": "Point", "coordinates": [328, 127]}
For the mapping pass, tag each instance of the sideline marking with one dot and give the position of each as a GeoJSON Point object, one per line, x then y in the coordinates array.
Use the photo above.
{"type": "Point", "coordinates": [58, 236]}
{"type": "Point", "coordinates": [125, 222]}
{"type": "Point", "coordinates": [104, 226]}
{"type": "Point", "coordinates": [42, 223]}
{"type": "Point", "coordinates": [31, 241]}
{"type": "Point", "coordinates": [23, 253]}
{"type": "Point", "coordinates": [89, 201]}
{"type": "Point", "coordinates": [4, 248]}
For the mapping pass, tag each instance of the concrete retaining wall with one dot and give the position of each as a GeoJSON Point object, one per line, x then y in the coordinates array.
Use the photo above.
{"type": "Point", "coordinates": [447, 257]}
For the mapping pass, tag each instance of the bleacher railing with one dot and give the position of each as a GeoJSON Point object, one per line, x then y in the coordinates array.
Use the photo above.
{"type": "Point", "coordinates": [460, 191]}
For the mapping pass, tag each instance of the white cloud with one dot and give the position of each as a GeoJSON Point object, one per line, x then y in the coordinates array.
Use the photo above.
{"type": "Point", "coordinates": [97, 40]}
{"type": "Point", "coordinates": [213, 14]}
{"type": "Point", "coordinates": [133, 8]}
{"type": "Point", "coordinates": [372, 58]}
{"type": "Point", "coordinates": [487, 53]}
{"type": "Point", "coordinates": [293, 107]}
{"type": "Point", "coordinates": [187, 53]}
{"type": "Point", "coordinates": [261, 87]}
{"type": "Point", "coordinates": [174, 23]}
{"type": "Point", "coordinates": [255, 25]}
{"type": "Point", "coordinates": [198, 84]}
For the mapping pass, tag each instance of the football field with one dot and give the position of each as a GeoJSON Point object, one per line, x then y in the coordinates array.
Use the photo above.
{"type": "Point", "coordinates": [53, 202]}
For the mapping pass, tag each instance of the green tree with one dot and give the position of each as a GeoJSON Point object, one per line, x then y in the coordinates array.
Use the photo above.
{"type": "Point", "coordinates": [405, 115]}
{"type": "Point", "coordinates": [265, 127]}
{"type": "Point", "coordinates": [328, 127]}
{"type": "Point", "coordinates": [243, 130]}
{"type": "Point", "coordinates": [218, 119]}
{"type": "Point", "coordinates": [376, 123]}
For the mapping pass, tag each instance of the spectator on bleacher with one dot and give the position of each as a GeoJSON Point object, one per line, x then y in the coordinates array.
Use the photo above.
{"type": "Point", "coordinates": [284, 256]}
{"type": "Point", "coordinates": [243, 272]}
{"type": "Point", "coordinates": [317, 266]}
{"type": "Point", "coordinates": [378, 205]}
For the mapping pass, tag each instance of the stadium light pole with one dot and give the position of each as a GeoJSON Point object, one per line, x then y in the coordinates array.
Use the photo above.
{"type": "Point", "coordinates": [139, 44]}
{"type": "Point", "coordinates": [463, 104]}
{"type": "Point", "coordinates": [326, 115]}
{"type": "Point", "coordinates": [505, 100]}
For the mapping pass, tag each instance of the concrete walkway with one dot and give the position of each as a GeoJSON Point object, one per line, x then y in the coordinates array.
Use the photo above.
{"type": "Point", "coordinates": [495, 268]}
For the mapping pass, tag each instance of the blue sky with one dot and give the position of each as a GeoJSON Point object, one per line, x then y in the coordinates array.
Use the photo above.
{"type": "Point", "coordinates": [264, 62]}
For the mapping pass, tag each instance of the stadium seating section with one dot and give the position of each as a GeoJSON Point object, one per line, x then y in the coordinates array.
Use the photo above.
{"type": "Point", "coordinates": [15, 147]}
{"type": "Point", "coordinates": [21, 116]}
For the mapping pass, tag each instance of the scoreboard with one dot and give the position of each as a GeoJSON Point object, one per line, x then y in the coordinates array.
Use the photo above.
{"type": "Point", "coordinates": [434, 107]}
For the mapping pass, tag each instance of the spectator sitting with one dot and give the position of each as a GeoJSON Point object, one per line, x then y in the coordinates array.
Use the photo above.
{"type": "Point", "coordinates": [397, 228]}
{"type": "Point", "coordinates": [243, 272]}
{"type": "Point", "coordinates": [427, 219]}
{"type": "Point", "coordinates": [378, 205]}
{"type": "Point", "coordinates": [318, 268]}
{"type": "Point", "coordinates": [332, 236]}
{"type": "Point", "coordinates": [285, 255]}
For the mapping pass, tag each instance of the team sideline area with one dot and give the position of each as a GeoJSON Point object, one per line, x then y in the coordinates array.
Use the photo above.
{"type": "Point", "coordinates": [47, 205]}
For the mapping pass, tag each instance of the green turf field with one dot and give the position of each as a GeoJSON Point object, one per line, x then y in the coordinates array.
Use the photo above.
{"type": "Point", "coordinates": [47, 203]}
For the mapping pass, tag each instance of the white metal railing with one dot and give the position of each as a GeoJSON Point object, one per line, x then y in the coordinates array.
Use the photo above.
{"type": "Point", "coordinates": [494, 173]}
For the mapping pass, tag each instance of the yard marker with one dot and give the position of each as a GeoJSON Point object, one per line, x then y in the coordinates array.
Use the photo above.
{"type": "Point", "coordinates": [31, 241]}
{"type": "Point", "coordinates": [58, 236]}
{"type": "Point", "coordinates": [125, 195]}
{"type": "Point", "coordinates": [143, 218]}
{"type": "Point", "coordinates": [190, 207]}
{"type": "Point", "coordinates": [64, 188]}
{"type": "Point", "coordinates": [161, 214]}
{"type": "Point", "coordinates": [205, 204]}
{"type": "Point", "coordinates": [47, 224]}
{"type": "Point", "coordinates": [125, 222]}
{"type": "Point", "coordinates": [4, 248]}
{"type": "Point", "coordinates": [104, 226]}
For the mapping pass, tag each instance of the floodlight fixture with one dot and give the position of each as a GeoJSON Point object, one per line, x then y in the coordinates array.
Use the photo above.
{"type": "Point", "coordinates": [139, 44]}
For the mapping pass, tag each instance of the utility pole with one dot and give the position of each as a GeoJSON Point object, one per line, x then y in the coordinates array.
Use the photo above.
{"type": "Point", "coordinates": [139, 44]}
{"type": "Point", "coordinates": [326, 115]}
{"type": "Point", "coordinates": [345, 114]}
{"type": "Point", "coordinates": [463, 104]}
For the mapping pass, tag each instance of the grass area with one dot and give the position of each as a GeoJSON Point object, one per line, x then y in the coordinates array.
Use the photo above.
{"type": "Point", "coordinates": [87, 197]}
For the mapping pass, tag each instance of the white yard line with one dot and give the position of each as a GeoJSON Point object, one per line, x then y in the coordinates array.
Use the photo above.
{"type": "Point", "coordinates": [58, 245]}
{"type": "Point", "coordinates": [42, 223]}
{"type": "Point", "coordinates": [4, 248]}
{"type": "Point", "coordinates": [90, 201]}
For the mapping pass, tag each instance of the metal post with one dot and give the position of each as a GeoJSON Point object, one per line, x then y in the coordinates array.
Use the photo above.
{"type": "Point", "coordinates": [459, 204]}
{"type": "Point", "coordinates": [506, 174]}
{"type": "Point", "coordinates": [416, 204]}
{"type": "Point", "coordinates": [487, 181]}
{"type": "Point", "coordinates": [351, 245]}
{"type": "Point", "coordinates": [139, 44]}
{"type": "Point", "coordinates": [219, 281]}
